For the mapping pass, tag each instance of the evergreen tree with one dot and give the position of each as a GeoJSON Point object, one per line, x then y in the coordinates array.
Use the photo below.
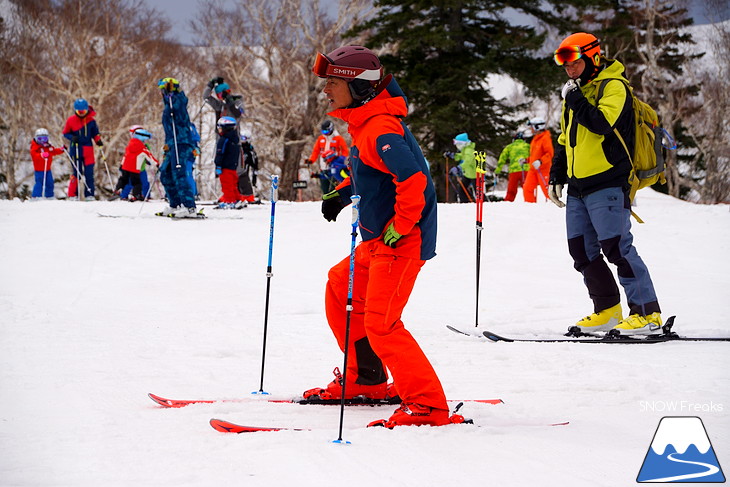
{"type": "Point", "coordinates": [442, 52]}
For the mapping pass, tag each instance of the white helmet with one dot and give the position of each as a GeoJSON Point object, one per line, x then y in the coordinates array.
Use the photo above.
{"type": "Point", "coordinates": [40, 132]}
{"type": "Point", "coordinates": [537, 123]}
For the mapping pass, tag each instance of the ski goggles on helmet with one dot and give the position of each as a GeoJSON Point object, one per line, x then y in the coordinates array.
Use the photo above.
{"type": "Point", "coordinates": [324, 67]}
{"type": "Point", "coordinates": [169, 84]}
{"type": "Point", "coordinates": [42, 139]}
{"type": "Point", "coordinates": [568, 54]}
{"type": "Point", "coordinates": [81, 113]}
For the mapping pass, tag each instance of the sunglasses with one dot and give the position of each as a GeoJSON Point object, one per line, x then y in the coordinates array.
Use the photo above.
{"type": "Point", "coordinates": [324, 67]}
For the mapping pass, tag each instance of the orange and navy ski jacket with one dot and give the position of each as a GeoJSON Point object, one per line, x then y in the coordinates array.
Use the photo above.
{"type": "Point", "coordinates": [135, 156]}
{"type": "Point", "coordinates": [87, 131]}
{"type": "Point", "coordinates": [36, 153]}
{"type": "Point", "coordinates": [390, 174]}
{"type": "Point", "coordinates": [324, 143]}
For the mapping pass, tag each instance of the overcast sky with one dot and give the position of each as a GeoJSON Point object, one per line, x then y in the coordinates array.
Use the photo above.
{"type": "Point", "coordinates": [181, 12]}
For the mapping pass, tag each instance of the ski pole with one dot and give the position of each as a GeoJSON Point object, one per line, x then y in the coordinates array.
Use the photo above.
{"type": "Point", "coordinates": [45, 173]}
{"type": "Point", "coordinates": [446, 180]}
{"type": "Point", "coordinates": [73, 164]}
{"type": "Point", "coordinates": [481, 158]}
{"type": "Point", "coordinates": [542, 181]}
{"type": "Point", "coordinates": [149, 190]}
{"type": "Point", "coordinates": [274, 195]}
{"type": "Point", "coordinates": [351, 278]}
{"type": "Point", "coordinates": [106, 166]}
{"type": "Point", "coordinates": [80, 185]}
{"type": "Point", "coordinates": [174, 131]}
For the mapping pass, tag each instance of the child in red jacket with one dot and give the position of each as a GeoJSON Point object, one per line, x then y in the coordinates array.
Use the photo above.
{"type": "Point", "coordinates": [136, 155]}
{"type": "Point", "coordinates": [42, 152]}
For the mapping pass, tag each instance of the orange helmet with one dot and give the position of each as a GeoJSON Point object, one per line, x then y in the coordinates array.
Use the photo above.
{"type": "Point", "coordinates": [576, 45]}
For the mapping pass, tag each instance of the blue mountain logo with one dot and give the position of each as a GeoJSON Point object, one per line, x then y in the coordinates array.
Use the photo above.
{"type": "Point", "coordinates": [681, 452]}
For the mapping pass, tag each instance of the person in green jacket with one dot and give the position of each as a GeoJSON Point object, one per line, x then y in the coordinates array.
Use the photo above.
{"type": "Point", "coordinates": [463, 176]}
{"type": "Point", "coordinates": [515, 157]}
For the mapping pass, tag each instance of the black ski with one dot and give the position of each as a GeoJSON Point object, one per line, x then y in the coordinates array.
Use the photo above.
{"type": "Point", "coordinates": [613, 336]}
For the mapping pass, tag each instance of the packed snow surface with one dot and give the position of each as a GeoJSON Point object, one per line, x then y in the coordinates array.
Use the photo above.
{"type": "Point", "coordinates": [96, 312]}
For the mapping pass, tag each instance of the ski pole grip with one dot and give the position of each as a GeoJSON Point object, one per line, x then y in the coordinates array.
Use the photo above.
{"type": "Point", "coordinates": [355, 208]}
{"type": "Point", "coordinates": [274, 188]}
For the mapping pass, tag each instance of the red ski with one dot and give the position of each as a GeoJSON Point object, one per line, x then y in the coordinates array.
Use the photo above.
{"type": "Point", "coordinates": [228, 427]}
{"type": "Point", "coordinates": [181, 403]}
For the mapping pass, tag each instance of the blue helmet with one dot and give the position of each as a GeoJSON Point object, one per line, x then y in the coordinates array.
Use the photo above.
{"type": "Point", "coordinates": [81, 104]}
{"type": "Point", "coordinates": [221, 88]}
{"type": "Point", "coordinates": [462, 138]}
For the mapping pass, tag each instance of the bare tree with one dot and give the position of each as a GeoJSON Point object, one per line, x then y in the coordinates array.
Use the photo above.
{"type": "Point", "coordinates": [267, 47]}
{"type": "Point", "coordinates": [663, 82]}
{"type": "Point", "coordinates": [708, 127]}
{"type": "Point", "coordinates": [110, 52]}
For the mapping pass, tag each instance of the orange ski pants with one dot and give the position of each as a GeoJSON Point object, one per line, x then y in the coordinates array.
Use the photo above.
{"type": "Point", "coordinates": [533, 180]}
{"type": "Point", "coordinates": [378, 339]}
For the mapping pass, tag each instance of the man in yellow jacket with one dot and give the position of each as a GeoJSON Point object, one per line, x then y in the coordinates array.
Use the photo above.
{"type": "Point", "coordinates": [593, 162]}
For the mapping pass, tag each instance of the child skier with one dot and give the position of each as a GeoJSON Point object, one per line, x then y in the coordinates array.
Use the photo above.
{"type": "Point", "coordinates": [338, 170]}
{"type": "Point", "coordinates": [136, 155]}
{"type": "Point", "coordinates": [227, 157]}
{"type": "Point", "coordinates": [329, 140]}
{"type": "Point", "coordinates": [246, 183]}
{"type": "Point", "coordinates": [42, 152]}
{"type": "Point", "coordinates": [81, 130]}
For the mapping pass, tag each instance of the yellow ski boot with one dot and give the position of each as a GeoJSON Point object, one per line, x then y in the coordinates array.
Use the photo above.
{"type": "Point", "coordinates": [601, 321]}
{"type": "Point", "coordinates": [641, 325]}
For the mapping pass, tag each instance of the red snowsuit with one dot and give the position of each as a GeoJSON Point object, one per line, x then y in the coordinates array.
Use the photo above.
{"type": "Point", "coordinates": [393, 180]}
{"type": "Point", "coordinates": [36, 153]}
{"type": "Point", "coordinates": [541, 147]}
{"type": "Point", "coordinates": [135, 155]}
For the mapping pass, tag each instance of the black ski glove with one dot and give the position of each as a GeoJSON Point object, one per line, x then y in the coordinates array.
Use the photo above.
{"type": "Point", "coordinates": [332, 205]}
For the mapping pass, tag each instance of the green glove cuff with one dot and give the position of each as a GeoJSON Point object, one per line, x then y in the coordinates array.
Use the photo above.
{"type": "Point", "coordinates": [330, 195]}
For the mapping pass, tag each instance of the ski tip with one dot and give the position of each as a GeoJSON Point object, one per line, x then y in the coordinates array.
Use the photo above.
{"type": "Point", "coordinates": [496, 338]}
{"type": "Point", "coordinates": [160, 400]}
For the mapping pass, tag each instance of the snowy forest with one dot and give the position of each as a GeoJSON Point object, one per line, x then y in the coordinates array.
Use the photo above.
{"type": "Point", "coordinates": [448, 56]}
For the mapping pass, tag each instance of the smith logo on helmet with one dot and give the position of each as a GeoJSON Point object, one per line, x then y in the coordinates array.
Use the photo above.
{"type": "Point", "coordinates": [347, 72]}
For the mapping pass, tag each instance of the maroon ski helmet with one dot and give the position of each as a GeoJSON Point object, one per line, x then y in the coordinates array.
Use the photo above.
{"type": "Point", "coordinates": [349, 63]}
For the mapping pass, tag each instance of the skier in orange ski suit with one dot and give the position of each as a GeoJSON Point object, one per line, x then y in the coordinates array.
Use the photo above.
{"type": "Point", "coordinates": [398, 229]}
{"type": "Point", "coordinates": [541, 160]}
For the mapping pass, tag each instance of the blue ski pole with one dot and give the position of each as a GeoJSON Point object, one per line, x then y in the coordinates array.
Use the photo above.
{"type": "Point", "coordinates": [355, 222]}
{"type": "Point", "coordinates": [274, 195]}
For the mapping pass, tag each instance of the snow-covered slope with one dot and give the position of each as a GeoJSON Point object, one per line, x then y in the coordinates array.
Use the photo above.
{"type": "Point", "coordinates": [97, 312]}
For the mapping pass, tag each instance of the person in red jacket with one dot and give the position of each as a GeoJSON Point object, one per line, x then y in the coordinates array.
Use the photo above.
{"type": "Point", "coordinates": [42, 152]}
{"type": "Point", "coordinates": [136, 155]}
{"type": "Point", "coordinates": [81, 130]}
{"type": "Point", "coordinates": [330, 140]}
{"type": "Point", "coordinates": [398, 229]}
{"type": "Point", "coordinates": [541, 160]}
